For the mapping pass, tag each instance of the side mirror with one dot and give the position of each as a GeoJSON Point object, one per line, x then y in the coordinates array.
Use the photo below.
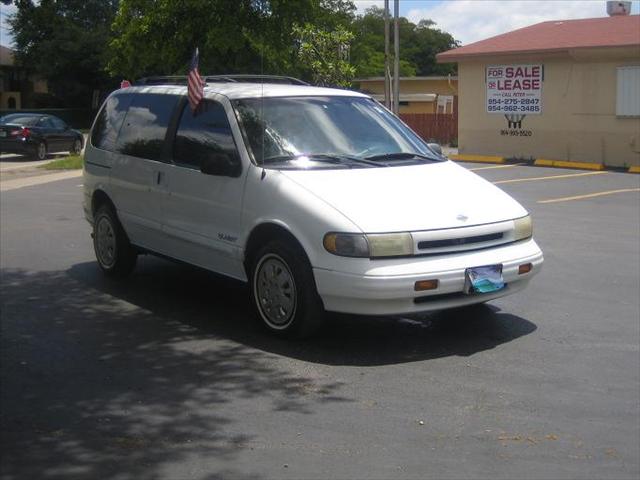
{"type": "Point", "coordinates": [436, 148]}
{"type": "Point", "coordinates": [220, 164]}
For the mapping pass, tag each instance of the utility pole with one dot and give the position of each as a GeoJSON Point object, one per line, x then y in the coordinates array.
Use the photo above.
{"type": "Point", "coordinates": [396, 57]}
{"type": "Point", "coordinates": [387, 70]}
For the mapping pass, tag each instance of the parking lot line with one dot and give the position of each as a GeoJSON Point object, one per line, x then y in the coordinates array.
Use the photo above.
{"type": "Point", "coordinates": [497, 166]}
{"type": "Point", "coordinates": [589, 195]}
{"type": "Point", "coordinates": [549, 177]}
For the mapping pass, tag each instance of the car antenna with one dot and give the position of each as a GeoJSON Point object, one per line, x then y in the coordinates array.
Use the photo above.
{"type": "Point", "coordinates": [264, 173]}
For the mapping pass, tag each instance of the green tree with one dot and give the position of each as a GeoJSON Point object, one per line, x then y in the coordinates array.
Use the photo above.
{"type": "Point", "coordinates": [153, 37]}
{"type": "Point", "coordinates": [418, 46]}
{"type": "Point", "coordinates": [64, 42]}
{"type": "Point", "coordinates": [325, 54]}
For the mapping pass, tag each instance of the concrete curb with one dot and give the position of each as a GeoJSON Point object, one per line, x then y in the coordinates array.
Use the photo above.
{"type": "Point", "coordinates": [477, 158]}
{"type": "Point", "coordinates": [540, 162]}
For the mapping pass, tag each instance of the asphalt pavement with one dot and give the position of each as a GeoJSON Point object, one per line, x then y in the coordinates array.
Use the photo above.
{"type": "Point", "coordinates": [165, 376]}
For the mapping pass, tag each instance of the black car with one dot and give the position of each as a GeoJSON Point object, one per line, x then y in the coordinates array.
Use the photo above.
{"type": "Point", "coordinates": [36, 135]}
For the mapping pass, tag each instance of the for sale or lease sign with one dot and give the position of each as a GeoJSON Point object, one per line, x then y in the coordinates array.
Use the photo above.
{"type": "Point", "coordinates": [514, 89]}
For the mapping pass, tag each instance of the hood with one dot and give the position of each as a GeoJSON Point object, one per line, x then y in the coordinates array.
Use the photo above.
{"type": "Point", "coordinates": [411, 198]}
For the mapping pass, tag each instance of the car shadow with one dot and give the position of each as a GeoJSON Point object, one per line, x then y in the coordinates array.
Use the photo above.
{"type": "Point", "coordinates": [220, 306]}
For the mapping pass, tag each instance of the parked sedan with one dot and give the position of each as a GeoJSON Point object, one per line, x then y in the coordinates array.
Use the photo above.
{"type": "Point", "coordinates": [36, 135]}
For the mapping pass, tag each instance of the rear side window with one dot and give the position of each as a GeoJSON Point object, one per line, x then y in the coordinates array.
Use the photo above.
{"type": "Point", "coordinates": [109, 120]}
{"type": "Point", "coordinates": [46, 122]}
{"type": "Point", "coordinates": [145, 126]}
{"type": "Point", "coordinates": [57, 123]}
{"type": "Point", "coordinates": [204, 134]}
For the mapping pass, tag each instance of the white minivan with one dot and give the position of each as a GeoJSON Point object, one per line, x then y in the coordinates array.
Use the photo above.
{"type": "Point", "coordinates": [320, 199]}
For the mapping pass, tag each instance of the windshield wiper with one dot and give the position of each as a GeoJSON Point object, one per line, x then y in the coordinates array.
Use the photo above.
{"type": "Point", "coordinates": [402, 156]}
{"type": "Point", "coordinates": [336, 159]}
{"type": "Point", "coordinates": [363, 161]}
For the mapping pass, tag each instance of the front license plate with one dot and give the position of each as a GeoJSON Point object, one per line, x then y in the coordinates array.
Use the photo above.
{"type": "Point", "coordinates": [485, 279]}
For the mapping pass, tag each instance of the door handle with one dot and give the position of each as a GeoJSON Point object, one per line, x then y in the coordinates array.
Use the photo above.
{"type": "Point", "coordinates": [159, 177]}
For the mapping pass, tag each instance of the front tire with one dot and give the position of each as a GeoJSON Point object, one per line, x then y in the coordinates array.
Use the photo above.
{"type": "Point", "coordinates": [115, 254]}
{"type": "Point", "coordinates": [283, 290]}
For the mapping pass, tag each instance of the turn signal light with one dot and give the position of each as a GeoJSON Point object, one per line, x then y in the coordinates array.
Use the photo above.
{"type": "Point", "coordinates": [25, 132]}
{"type": "Point", "coordinates": [524, 268]}
{"type": "Point", "coordinates": [422, 285]}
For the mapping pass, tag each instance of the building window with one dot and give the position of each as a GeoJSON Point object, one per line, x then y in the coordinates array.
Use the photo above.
{"type": "Point", "coordinates": [628, 92]}
{"type": "Point", "coordinates": [445, 104]}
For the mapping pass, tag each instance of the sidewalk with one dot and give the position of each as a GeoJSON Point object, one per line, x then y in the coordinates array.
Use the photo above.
{"type": "Point", "coordinates": [18, 173]}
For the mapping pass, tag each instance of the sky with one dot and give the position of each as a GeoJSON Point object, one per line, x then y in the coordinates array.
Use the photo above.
{"type": "Point", "coordinates": [473, 20]}
{"type": "Point", "coordinates": [467, 20]}
{"type": "Point", "coordinates": [5, 37]}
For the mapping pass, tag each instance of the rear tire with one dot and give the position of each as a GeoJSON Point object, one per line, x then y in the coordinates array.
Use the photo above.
{"type": "Point", "coordinates": [41, 151]}
{"type": "Point", "coordinates": [76, 149]}
{"type": "Point", "coordinates": [115, 254]}
{"type": "Point", "coordinates": [283, 290]}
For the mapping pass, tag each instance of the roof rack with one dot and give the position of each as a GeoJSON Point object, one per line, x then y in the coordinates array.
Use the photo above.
{"type": "Point", "coordinates": [234, 78]}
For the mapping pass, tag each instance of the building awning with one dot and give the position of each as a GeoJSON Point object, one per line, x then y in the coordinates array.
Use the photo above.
{"type": "Point", "coordinates": [409, 97]}
{"type": "Point", "coordinates": [554, 36]}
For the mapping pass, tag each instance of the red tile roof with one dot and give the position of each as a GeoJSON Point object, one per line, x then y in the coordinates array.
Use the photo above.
{"type": "Point", "coordinates": [555, 35]}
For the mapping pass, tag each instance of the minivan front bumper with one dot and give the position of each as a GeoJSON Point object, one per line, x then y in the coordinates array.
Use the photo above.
{"type": "Point", "coordinates": [387, 288]}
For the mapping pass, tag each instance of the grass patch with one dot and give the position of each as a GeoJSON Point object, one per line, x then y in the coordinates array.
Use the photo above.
{"type": "Point", "coordinates": [72, 162]}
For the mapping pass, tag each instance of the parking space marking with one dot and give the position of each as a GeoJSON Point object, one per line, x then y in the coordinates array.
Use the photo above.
{"type": "Point", "coordinates": [589, 195]}
{"type": "Point", "coordinates": [497, 166]}
{"type": "Point", "coordinates": [549, 177]}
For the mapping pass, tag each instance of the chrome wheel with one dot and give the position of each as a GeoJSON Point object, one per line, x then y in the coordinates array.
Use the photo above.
{"type": "Point", "coordinates": [42, 151]}
{"type": "Point", "coordinates": [77, 147]}
{"type": "Point", "coordinates": [105, 242]}
{"type": "Point", "coordinates": [275, 291]}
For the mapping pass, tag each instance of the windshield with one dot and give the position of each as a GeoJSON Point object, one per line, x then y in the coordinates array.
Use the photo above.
{"type": "Point", "coordinates": [327, 132]}
{"type": "Point", "coordinates": [19, 119]}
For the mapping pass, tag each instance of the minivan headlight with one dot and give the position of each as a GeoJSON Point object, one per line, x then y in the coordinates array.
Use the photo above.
{"type": "Point", "coordinates": [390, 244]}
{"type": "Point", "coordinates": [371, 245]}
{"type": "Point", "coordinates": [522, 228]}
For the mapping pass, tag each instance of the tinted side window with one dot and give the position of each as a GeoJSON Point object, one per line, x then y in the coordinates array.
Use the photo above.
{"type": "Point", "coordinates": [145, 125]}
{"type": "Point", "coordinates": [202, 135]}
{"type": "Point", "coordinates": [109, 120]}
{"type": "Point", "coordinates": [57, 123]}
{"type": "Point", "coordinates": [46, 122]}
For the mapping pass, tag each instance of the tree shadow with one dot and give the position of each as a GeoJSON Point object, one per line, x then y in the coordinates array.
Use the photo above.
{"type": "Point", "coordinates": [116, 379]}
{"type": "Point", "coordinates": [97, 386]}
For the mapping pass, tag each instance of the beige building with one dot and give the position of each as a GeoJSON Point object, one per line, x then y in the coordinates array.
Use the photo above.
{"type": "Point", "coordinates": [14, 82]}
{"type": "Point", "coordinates": [417, 94]}
{"type": "Point", "coordinates": [560, 90]}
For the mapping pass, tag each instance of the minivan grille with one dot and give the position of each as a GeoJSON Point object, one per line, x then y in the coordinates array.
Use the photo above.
{"type": "Point", "coordinates": [457, 242]}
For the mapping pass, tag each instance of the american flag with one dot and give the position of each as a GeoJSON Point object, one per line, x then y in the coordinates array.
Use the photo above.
{"type": "Point", "coordinates": [195, 83]}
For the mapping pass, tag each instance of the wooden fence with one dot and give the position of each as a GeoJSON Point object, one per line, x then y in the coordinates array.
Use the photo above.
{"type": "Point", "coordinates": [441, 128]}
